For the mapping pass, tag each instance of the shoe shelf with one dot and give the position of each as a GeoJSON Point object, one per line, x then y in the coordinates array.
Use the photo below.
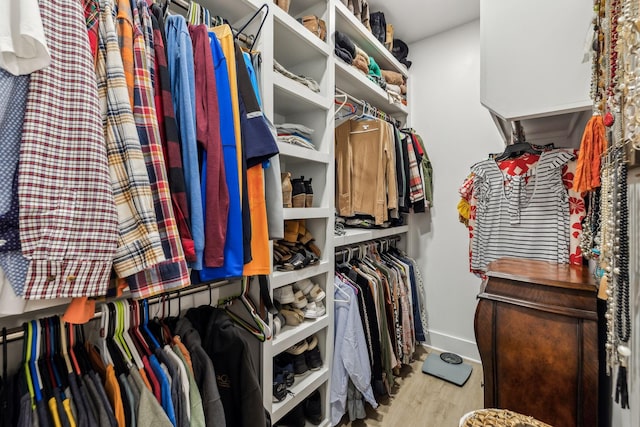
{"type": "Point", "coordinates": [302, 153]}
{"type": "Point", "coordinates": [357, 235]}
{"type": "Point", "coordinates": [306, 213]}
{"type": "Point", "coordinates": [304, 385]}
{"type": "Point", "coordinates": [290, 335]}
{"type": "Point", "coordinates": [355, 83]}
{"type": "Point", "coordinates": [299, 42]}
{"type": "Point", "coordinates": [347, 23]}
{"type": "Point", "coordinates": [283, 278]}
{"type": "Point", "coordinates": [293, 97]}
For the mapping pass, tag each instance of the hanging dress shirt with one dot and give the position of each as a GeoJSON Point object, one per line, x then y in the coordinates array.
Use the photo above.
{"type": "Point", "coordinates": [173, 272]}
{"type": "Point", "coordinates": [68, 222]}
{"type": "Point", "coordinates": [349, 353]}
{"type": "Point", "coordinates": [139, 245]}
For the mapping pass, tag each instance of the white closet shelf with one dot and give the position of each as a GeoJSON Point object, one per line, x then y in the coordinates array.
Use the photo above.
{"type": "Point", "coordinates": [291, 335]}
{"type": "Point", "coordinates": [357, 235]}
{"type": "Point", "coordinates": [355, 83]}
{"type": "Point", "coordinates": [237, 11]}
{"type": "Point", "coordinates": [294, 40]}
{"type": "Point", "coordinates": [282, 278]}
{"type": "Point", "coordinates": [292, 97]}
{"type": "Point", "coordinates": [347, 23]}
{"type": "Point", "coordinates": [302, 388]}
{"type": "Point", "coordinates": [306, 213]}
{"type": "Point", "coordinates": [302, 153]}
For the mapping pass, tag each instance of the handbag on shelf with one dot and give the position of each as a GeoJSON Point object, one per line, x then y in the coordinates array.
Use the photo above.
{"type": "Point", "coordinates": [314, 24]}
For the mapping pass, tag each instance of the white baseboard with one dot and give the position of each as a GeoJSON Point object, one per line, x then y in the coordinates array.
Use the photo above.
{"type": "Point", "coordinates": [442, 342]}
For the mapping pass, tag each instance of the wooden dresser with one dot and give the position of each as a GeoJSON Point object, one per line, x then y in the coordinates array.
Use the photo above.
{"type": "Point", "coordinates": [536, 330]}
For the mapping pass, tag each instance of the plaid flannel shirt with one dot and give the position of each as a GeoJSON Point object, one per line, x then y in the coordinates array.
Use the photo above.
{"type": "Point", "coordinates": [173, 272]}
{"type": "Point", "coordinates": [124, 27]}
{"type": "Point", "coordinates": [68, 220]}
{"type": "Point", "coordinates": [169, 136]}
{"type": "Point", "coordinates": [139, 245]}
{"type": "Point", "coordinates": [416, 191]}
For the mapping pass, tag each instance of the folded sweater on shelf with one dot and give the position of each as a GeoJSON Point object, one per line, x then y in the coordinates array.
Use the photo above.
{"type": "Point", "coordinates": [307, 81]}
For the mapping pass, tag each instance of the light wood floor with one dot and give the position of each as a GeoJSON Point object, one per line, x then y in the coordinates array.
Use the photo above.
{"type": "Point", "coordinates": [421, 400]}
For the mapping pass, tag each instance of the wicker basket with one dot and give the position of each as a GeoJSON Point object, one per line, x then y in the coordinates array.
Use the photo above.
{"type": "Point", "coordinates": [499, 418]}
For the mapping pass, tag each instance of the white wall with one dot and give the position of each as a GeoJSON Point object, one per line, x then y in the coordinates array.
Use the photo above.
{"type": "Point", "coordinates": [445, 107]}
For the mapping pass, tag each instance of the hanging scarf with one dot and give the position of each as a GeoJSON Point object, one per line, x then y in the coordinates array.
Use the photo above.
{"type": "Point", "coordinates": [594, 142]}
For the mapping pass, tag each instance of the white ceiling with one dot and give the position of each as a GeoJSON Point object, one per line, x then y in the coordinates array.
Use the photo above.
{"type": "Point", "coordinates": [415, 20]}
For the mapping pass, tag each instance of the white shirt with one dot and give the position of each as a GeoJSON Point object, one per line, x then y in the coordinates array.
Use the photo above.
{"type": "Point", "coordinates": [23, 47]}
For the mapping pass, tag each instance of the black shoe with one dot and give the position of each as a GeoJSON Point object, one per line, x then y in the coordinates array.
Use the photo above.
{"type": "Point", "coordinates": [309, 193]}
{"type": "Point", "coordinates": [313, 408]}
{"type": "Point", "coordinates": [284, 366]}
{"type": "Point", "coordinates": [295, 418]}
{"type": "Point", "coordinates": [313, 358]}
{"type": "Point", "coordinates": [299, 364]}
{"type": "Point", "coordinates": [299, 193]}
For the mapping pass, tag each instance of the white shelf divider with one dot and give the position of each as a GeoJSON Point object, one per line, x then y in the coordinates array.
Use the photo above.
{"type": "Point", "coordinates": [302, 388]}
{"type": "Point", "coordinates": [282, 278]}
{"type": "Point", "coordinates": [295, 96]}
{"type": "Point", "coordinates": [302, 153]}
{"type": "Point", "coordinates": [306, 213]}
{"type": "Point", "coordinates": [358, 235]}
{"type": "Point", "coordinates": [290, 335]}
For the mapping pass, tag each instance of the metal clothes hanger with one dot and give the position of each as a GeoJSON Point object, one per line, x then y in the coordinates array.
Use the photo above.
{"type": "Point", "coordinates": [264, 18]}
{"type": "Point", "coordinates": [347, 297]}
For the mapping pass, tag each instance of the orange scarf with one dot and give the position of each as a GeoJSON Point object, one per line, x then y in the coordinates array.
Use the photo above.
{"type": "Point", "coordinates": [594, 143]}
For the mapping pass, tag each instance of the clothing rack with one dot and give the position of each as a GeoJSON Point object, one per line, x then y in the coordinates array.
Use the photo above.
{"type": "Point", "coordinates": [17, 333]}
{"type": "Point", "coordinates": [244, 38]}
{"type": "Point", "coordinates": [354, 249]}
{"type": "Point", "coordinates": [370, 109]}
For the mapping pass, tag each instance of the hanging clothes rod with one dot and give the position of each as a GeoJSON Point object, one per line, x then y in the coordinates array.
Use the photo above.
{"type": "Point", "coordinates": [366, 106]}
{"type": "Point", "coordinates": [17, 333]}
{"type": "Point", "coordinates": [355, 248]}
{"type": "Point", "coordinates": [244, 38]}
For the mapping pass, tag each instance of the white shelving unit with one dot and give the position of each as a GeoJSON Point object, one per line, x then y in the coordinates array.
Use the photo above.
{"type": "Point", "coordinates": [303, 53]}
{"type": "Point", "coordinates": [350, 80]}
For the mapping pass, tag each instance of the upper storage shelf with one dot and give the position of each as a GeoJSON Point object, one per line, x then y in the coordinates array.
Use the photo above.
{"type": "Point", "coordinates": [295, 44]}
{"type": "Point", "coordinates": [355, 83]}
{"type": "Point", "coordinates": [360, 35]}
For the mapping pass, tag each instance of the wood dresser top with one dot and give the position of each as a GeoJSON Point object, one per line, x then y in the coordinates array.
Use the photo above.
{"type": "Point", "coordinates": [543, 272]}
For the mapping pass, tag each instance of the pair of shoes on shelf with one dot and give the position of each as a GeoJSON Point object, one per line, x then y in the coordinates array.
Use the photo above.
{"type": "Point", "coordinates": [287, 314]}
{"type": "Point", "coordinates": [314, 296]}
{"type": "Point", "coordinates": [309, 409]}
{"type": "Point", "coordinates": [305, 355]}
{"type": "Point", "coordinates": [303, 295]}
{"type": "Point", "coordinates": [302, 193]}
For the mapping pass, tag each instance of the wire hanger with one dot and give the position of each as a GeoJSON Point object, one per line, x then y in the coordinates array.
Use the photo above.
{"type": "Point", "coordinates": [347, 297]}
{"type": "Point", "coordinates": [264, 18]}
